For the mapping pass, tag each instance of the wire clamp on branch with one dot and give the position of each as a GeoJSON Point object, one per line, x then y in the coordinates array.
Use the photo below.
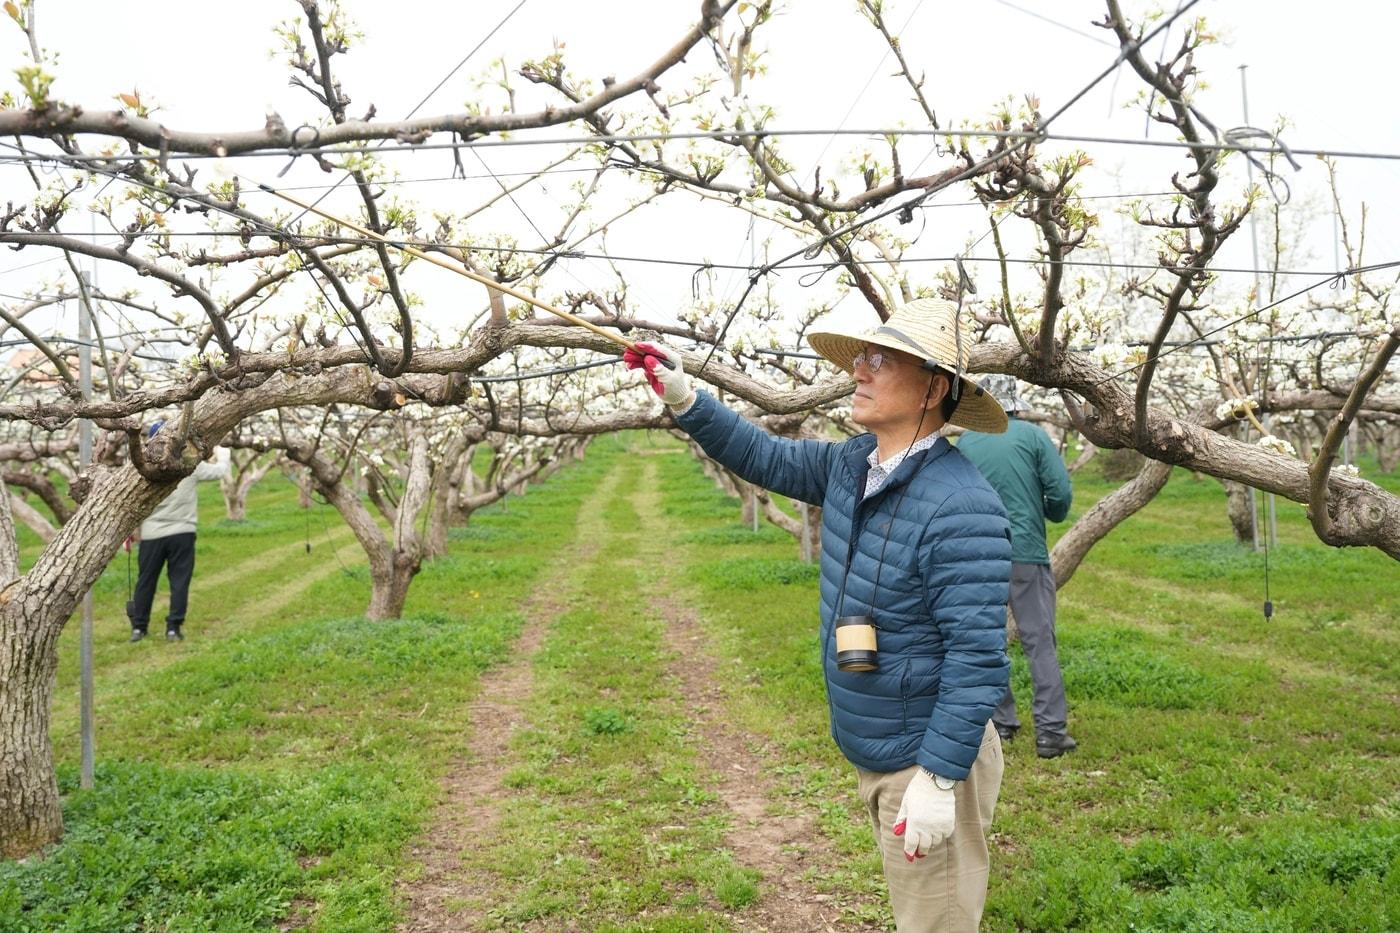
{"type": "Point", "coordinates": [297, 148]}
{"type": "Point", "coordinates": [706, 270]}
{"type": "Point", "coordinates": [965, 283]}
{"type": "Point", "coordinates": [809, 279]}
{"type": "Point", "coordinates": [1236, 136]}
{"type": "Point", "coordinates": [458, 171]}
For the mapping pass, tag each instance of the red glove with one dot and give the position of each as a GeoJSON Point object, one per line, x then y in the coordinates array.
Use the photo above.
{"type": "Point", "coordinates": [664, 372]}
{"type": "Point", "coordinates": [647, 360]}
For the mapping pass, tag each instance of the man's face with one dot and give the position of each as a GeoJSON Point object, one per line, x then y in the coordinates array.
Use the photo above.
{"type": "Point", "coordinates": [893, 395]}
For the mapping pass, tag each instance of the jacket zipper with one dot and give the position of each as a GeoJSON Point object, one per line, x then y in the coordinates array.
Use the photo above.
{"type": "Point", "coordinates": [904, 691]}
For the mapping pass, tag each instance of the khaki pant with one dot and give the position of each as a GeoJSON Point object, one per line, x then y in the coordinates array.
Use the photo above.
{"type": "Point", "coordinates": [946, 890]}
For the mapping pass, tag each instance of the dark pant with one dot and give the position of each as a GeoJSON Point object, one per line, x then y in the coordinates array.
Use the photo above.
{"type": "Point", "coordinates": [176, 554]}
{"type": "Point", "coordinates": [1033, 606]}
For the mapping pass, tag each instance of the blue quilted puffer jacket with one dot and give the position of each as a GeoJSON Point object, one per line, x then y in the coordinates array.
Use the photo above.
{"type": "Point", "coordinates": [941, 606]}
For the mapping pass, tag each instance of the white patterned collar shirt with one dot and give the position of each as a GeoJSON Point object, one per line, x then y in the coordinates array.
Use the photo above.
{"type": "Point", "coordinates": [881, 470]}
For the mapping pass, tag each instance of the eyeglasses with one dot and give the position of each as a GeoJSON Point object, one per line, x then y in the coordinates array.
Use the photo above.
{"type": "Point", "coordinates": [872, 361]}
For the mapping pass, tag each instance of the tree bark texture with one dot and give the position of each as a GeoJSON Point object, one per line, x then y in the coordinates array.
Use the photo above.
{"type": "Point", "coordinates": [33, 610]}
{"type": "Point", "coordinates": [392, 566]}
{"type": "Point", "coordinates": [447, 473]}
{"type": "Point", "coordinates": [30, 813]}
{"type": "Point", "coordinates": [1108, 513]}
{"type": "Point", "coordinates": [1360, 512]}
{"type": "Point", "coordinates": [9, 542]}
{"type": "Point", "coordinates": [240, 481]}
{"type": "Point", "coordinates": [35, 607]}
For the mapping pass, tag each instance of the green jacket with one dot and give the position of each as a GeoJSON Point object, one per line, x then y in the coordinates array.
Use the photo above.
{"type": "Point", "coordinates": [1026, 470]}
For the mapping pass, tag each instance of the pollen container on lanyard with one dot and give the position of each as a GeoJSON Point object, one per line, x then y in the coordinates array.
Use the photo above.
{"type": "Point", "coordinates": [857, 636]}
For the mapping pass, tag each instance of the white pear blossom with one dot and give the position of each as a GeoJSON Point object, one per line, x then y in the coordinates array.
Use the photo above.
{"type": "Point", "coordinates": [1109, 355]}
{"type": "Point", "coordinates": [211, 359]}
{"type": "Point", "coordinates": [1237, 408]}
{"type": "Point", "coordinates": [1277, 444]}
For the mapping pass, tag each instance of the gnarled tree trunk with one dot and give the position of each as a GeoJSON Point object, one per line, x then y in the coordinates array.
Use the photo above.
{"type": "Point", "coordinates": [390, 582]}
{"type": "Point", "coordinates": [1108, 513]}
{"type": "Point", "coordinates": [447, 473]}
{"type": "Point", "coordinates": [245, 472]}
{"type": "Point", "coordinates": [30, 815]}
{"type": "Point", "coordinates": [33, 610]}
{"type": "Point", "coordinates": [29, 810]}
{"type": "Point", "coordinates": [392, 565]}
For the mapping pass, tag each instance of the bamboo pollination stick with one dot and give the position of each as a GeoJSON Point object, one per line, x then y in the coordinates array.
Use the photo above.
{"type": "Point", "coordinates": [443, 263]}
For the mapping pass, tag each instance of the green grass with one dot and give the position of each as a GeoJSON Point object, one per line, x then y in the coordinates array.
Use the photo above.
{"type": "Point", "coordinates": [611, 824]}
{"type": "Point", "coordinates": [1234, 773]}
{"type": "Point", "coordinates": [277, 762]}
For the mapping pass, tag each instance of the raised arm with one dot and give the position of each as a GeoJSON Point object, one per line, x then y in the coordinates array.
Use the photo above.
{"type": "Point", "coordinates": [795, 468]}
{"type": "Point", "coordinates": [217, 468]}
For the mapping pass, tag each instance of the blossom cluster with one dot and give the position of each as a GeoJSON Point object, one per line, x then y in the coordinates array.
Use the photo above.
{"type": "Point", "coordinates": [1277, 444]}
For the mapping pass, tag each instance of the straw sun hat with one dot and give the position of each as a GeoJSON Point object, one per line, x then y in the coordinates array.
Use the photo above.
{"type": "Point", "coordinates": [924, 328]}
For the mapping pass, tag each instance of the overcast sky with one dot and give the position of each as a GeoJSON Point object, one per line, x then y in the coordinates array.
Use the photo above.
{"type": "Point", "coordinates": [1329, 69]}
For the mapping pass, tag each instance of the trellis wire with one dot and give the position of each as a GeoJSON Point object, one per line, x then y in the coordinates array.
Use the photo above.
{"type": "Point", "coordinates": [970, 133]}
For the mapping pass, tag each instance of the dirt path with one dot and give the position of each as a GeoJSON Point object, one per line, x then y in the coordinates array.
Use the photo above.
{"type": "Point", "coordinates": [768, 833]}
{"type": "Point", "coordinates": [781, 842]}
{"type": "Point", "coordinates": [473, 794]}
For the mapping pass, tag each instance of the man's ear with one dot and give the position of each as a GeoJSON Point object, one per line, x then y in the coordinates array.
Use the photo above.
{"type": "Point", "coordinates": [937, 389]}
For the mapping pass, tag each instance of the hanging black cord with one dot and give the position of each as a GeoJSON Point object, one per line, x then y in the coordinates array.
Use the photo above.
{"type": "Point", "coordinates": [894, 513]}
{"type": "Point", "coordinates": [841, 596]}
{"type": "Point", "coordinates": [1268, 603]}
{"type": "Point", "coordinates": [331, 541]}
{"type": "Point", "coordinates": [1264, 385]}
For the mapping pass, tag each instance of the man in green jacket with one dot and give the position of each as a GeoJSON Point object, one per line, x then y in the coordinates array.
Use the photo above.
{"type": "Point", "coordinates": [1028, 473]}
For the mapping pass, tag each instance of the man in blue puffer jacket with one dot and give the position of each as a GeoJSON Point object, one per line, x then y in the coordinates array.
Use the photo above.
{"type": "Point", "coordinates": [913, 536]}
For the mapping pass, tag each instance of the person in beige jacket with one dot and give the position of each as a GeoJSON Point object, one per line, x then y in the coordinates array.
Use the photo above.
{"type": "Point", "coordinates": [167, 541]}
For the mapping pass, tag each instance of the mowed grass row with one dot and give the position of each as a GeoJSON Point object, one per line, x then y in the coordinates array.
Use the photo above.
{"type": "Point", "coordinates": [276, 763]}
{"type": "Point", "coordinates": [611, 823]}
{"type": "Point", "coordinates": [1234, 774]}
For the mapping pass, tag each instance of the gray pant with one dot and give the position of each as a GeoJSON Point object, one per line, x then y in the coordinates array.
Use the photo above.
{"type": "Point", "coordinates": [1033, 606]}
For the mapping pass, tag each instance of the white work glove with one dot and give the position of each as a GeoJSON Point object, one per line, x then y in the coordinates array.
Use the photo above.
{"type": "Point", "coordinates": [926, 815]}
{"type": "Point", "coordinates": [671, 383]}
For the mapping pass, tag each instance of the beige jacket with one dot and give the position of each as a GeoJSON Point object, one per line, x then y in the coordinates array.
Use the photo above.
{"type": "Point", "coordinates": [179, 513]}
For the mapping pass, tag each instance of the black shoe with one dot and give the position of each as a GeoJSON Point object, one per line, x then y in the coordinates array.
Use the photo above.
{"type": "Point", "coordinates": [1053, 746]}
{"type": "Point", "coordinates": [1007, 733]}
{"type": "Point", "coordinates": [173, 634]}
{"type": "Point", "coordinates": [137, 634]}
